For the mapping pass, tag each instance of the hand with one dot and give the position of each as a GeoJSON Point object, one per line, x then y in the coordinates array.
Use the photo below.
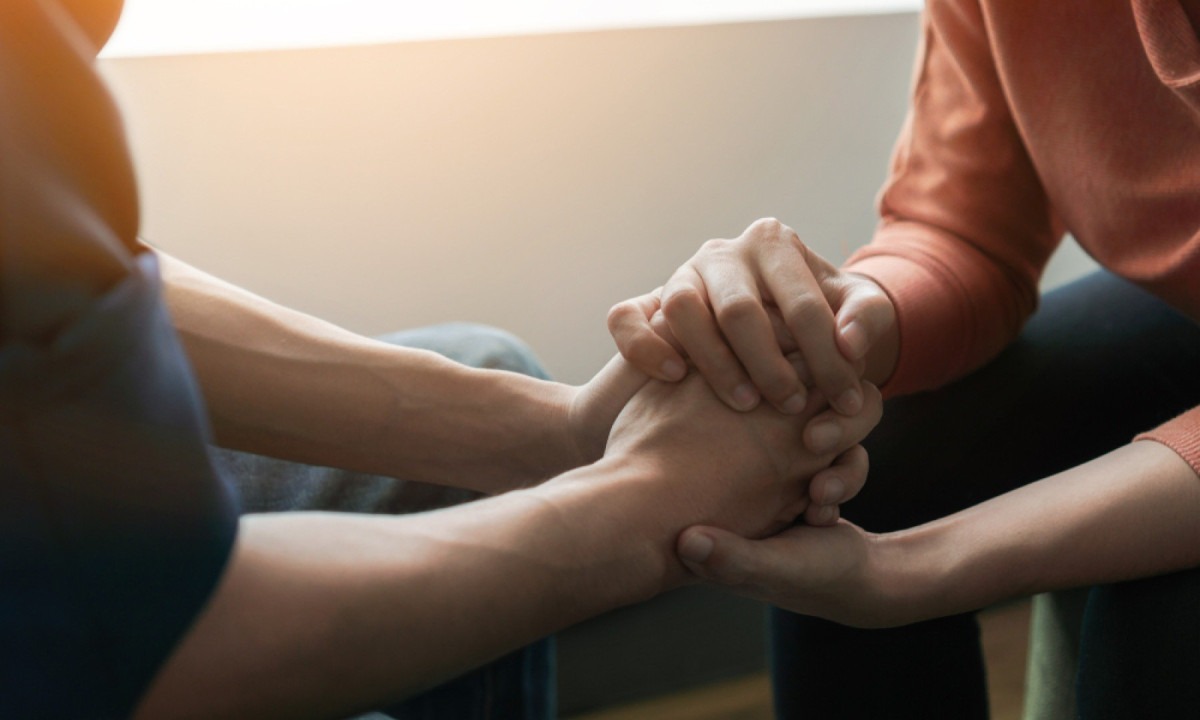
{"type": "Point", "coordinates": [592, 408]}
{"type": "Point", "coordinates": [716, 307]}
{"type": "Point", "coordinates": [839, 573]}
{"type": "Point", "coordinates": [746, 472]}
{"type": "Point", "coordinates": [834, 485]}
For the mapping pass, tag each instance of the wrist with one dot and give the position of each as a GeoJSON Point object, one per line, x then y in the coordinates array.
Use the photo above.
{"type": "Point", "coordinates": [915, 571]}
{"type": "Point", "coordinates": [623, 514]}
{"type": "Point", "coordinates": [562, 449]}
{"type": "Point", "coordinates": [950, 566]}
{"type": "Point", "coordinates": [531, 420]}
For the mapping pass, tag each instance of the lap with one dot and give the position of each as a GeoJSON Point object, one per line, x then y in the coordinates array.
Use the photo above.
{"type": "Point", "coordinates": [1101, 361]}
{"type": "Point", "coordinates": [1139, 654]}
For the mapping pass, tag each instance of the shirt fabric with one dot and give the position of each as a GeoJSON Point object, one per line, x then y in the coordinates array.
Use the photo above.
{"type": "Point", "coordinates": [1029, 119]}
{"type": "Point", "coordinates": [114, 527]}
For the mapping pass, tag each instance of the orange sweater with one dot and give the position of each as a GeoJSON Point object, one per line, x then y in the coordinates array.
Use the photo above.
{"type": "Point", "coordinates": [1030, 118]}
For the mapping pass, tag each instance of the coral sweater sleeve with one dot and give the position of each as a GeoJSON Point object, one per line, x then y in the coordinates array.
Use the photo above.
{"type": "Point", "coordinates": [967, 225]}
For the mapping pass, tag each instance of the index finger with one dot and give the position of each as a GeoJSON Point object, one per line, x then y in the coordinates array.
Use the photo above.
{"type": "Point", "coordinates": [806, 311]}
{"type": "Point", "coordinates": [630, 324]}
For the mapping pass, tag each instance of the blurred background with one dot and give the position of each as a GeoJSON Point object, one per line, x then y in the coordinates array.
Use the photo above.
{"type": "Point", "coordinates": [527, 181]}
{"type": "Point", "coordinates": [524, 169]}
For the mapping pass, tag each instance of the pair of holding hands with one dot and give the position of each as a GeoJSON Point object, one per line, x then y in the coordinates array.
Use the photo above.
{"type": "Point", "coordinates": [793, 344]}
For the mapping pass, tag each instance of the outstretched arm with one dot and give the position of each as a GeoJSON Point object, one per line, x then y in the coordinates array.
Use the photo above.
{"type": "Point", "coordinates": [282, 383]}
{"type": "Point", "coordinates": [1128, 514]}
{"type": "Point", "coordinates": [325, 615]}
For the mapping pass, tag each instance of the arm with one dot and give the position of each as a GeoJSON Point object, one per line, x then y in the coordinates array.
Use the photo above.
{"type": "Point", "coordinates": [1128, 514]}
{"type": "Point", "coordinates": [324, 615]}
{"type": "Point", "coordinates": [947, 281]}
{"type": "Point", "coordinates": [966, 225]}
{"type": "Point", "coordinates": [282, 383]}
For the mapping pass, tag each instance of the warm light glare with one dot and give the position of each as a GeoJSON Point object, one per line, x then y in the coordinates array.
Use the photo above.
{"type": "Point", "coordinates": [170, 27]}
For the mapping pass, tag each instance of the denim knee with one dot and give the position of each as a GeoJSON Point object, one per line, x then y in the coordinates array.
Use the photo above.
{"type": "Point", "coordinates": [473, 344]}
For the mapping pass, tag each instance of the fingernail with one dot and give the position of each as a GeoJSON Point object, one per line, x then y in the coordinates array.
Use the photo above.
{"type": "Point", "coordinates": [673, 370]}
{"type": "Point", "coordinates": [745, 397]}
{"type": "Point", "coordinates": [795, 404]}
{"type": "Point", "coordinates": [833, 491]}
{"type": "Point", "coordinates": [696, 548]}
{"type": "Point", "coordinates": [824, 515]}
{"type": "Point", "coordinates": [824, 436]}
{"type": "Point", "coordinates": [850, 402]}
{"type": "Point", "coordinates": [855, 336]}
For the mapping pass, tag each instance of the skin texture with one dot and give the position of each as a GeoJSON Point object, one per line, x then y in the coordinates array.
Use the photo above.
{"type": "Point", "coordinates": [762, 315]}
{"type": "Point", "coordinates": [966, 227]}
{"type": "Point", "coordinates": [282, 383]}
{"type": "Point", "coordinates": [1128, 514]}
{"type": "Point", "coordinates": [326, 615]}
{"type": "Point", "coordinates": [718, 309]}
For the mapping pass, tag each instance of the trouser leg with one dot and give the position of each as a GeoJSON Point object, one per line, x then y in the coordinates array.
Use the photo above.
{"type": "Point", "coordinates": [519, 686]}
{"type": "Point", "coordinates": [1099, 362]}
{"type": "Point", "coordinates": [1140, 651]}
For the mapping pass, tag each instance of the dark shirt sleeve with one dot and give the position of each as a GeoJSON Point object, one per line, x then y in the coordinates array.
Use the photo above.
{"type": "Point", "coordinates": [114, 527]}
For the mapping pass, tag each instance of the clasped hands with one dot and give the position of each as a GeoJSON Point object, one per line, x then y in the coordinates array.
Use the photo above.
{"type": "Point", "coordinates": [760, 317]}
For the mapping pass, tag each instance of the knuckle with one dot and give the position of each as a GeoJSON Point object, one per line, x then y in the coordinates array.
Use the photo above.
{"type": "Point", "coordinates": [775, 265]}
{"type": "Point", "coordinates": [738, 309]}
{"type": "Point", "coordinates": [778, 387]}
{"type": "Point", "coordinates": [777, 383]}
{"type": "Point", "coordinates": [617, 314]}
{"type": "Point", "coordinates": [660, 327]}
{"type": "Point", "coordinates": [716, 246]}
{"type": "Point", "coordinates": [768, 226]}
{"type": "Point", "coordinates": [807, 311]}
{"type": "Point", "coordinates": [679, 301]}
{"type": "Point", "coordinates": [771, 229]}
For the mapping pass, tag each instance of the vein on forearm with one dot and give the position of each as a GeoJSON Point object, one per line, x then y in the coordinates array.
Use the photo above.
{"type": "Point", "coordinates": [282, 383]}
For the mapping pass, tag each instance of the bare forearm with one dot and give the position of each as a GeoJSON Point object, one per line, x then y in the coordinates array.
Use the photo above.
{"type": "Point", "coordinates": [327, 615]}
{"type": "Point", "coordinates": [1131, 513]}
{"type": "Point", "coordinates": [320, 616]}
{"type": "Point", "coordinates": [283, 383]}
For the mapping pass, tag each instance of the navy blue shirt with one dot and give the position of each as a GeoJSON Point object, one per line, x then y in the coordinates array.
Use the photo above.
{"type": "Point", "coordinates": [114, 526]}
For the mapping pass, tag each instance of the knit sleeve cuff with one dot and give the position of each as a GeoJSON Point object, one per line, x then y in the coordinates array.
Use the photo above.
{"type": "Point", "coordinates": [1181, 434]}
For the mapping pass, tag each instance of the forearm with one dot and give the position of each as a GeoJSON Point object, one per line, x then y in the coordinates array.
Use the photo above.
{"type": "Point", "coordinates": [327, 615]}
{"type": "Point", "coordinates": [324, 615]}
{"type": "Point", "coordinates": [282, 383]}
{"type": "Point", "coordinates": [1131, 513]}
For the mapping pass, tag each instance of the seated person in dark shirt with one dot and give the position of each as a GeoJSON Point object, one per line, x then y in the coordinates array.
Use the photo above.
{"type": "Point", "coordinates": [130, 584]}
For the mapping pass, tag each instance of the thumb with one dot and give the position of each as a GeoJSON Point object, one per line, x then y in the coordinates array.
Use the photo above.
{"type": "Point", "coordinates": [866, 315]}
{"type": "Point", "coordinates": [617, 382]}
{"type": "Point", "coordinates": [597, 404]}
{"type": "Point", "coordinates": [725, 558]}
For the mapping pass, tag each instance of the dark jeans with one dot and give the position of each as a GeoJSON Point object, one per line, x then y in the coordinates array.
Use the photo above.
{"type": "Point", "coordinates": [519, 686]}
{"type": "Point", "coordinates": [1099, 362]}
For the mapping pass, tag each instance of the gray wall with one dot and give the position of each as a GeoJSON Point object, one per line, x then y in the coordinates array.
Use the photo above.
{"type": "Point", "coordinates": [527, 182]}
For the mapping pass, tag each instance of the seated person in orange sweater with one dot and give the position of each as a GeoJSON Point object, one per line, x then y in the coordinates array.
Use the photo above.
{"type": "Point", "coordinates": [1006, 463]}
{"type": "Point", "coordinates": [130, 584]}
